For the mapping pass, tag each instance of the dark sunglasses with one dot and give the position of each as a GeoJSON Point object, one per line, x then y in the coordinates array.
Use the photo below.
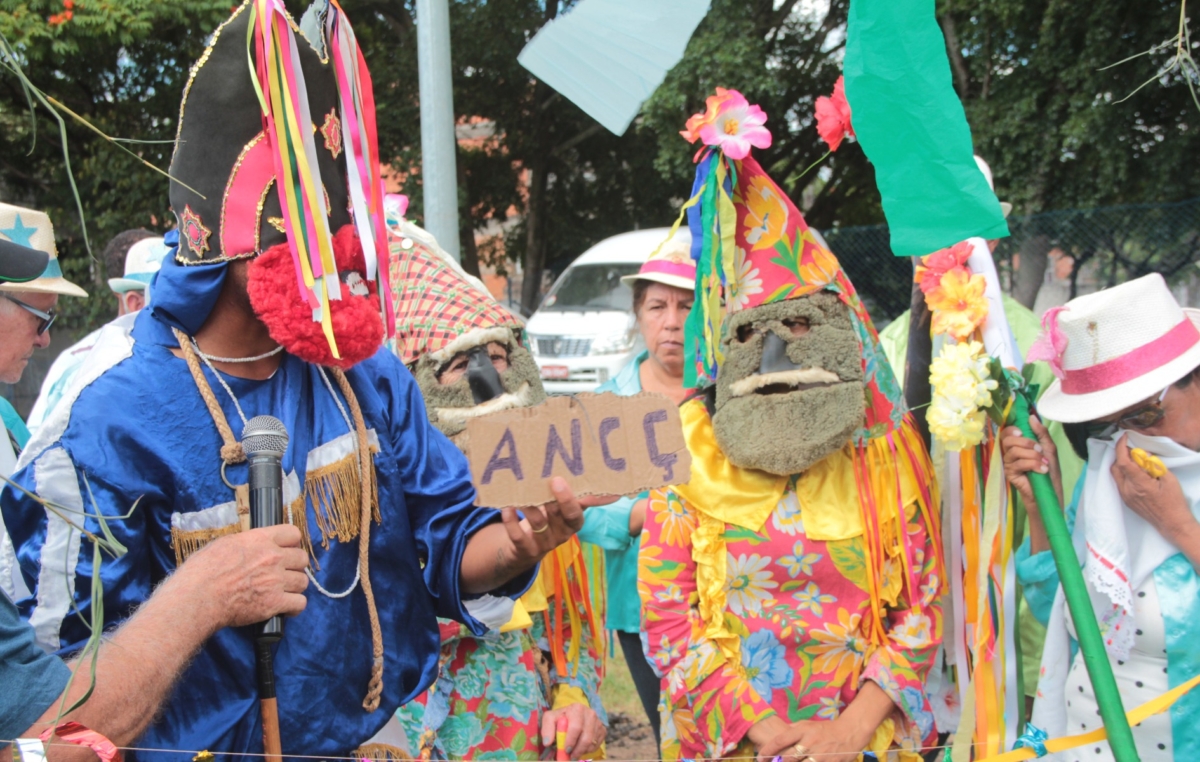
{"type": "Point", "coordinates": [45, 319]}
{"type": "Point", "coordinates": [1144, 417]}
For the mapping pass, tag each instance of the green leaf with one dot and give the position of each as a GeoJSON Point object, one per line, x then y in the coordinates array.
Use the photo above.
{"type": "Point", "coordinates": [741, 534]}
{"type": "Point", "coordinates": [850, 560]}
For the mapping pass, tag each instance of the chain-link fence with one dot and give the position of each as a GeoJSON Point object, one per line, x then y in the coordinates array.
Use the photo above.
{"type": "Point", "coordinates": [1071, 253]}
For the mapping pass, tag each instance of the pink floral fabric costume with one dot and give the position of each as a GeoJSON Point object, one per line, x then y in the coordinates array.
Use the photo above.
{"type": "Point", "coordinates": [778, 589]}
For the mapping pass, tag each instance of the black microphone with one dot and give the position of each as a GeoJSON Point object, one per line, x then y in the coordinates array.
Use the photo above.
{"type": "Point", "coordinates": [265, 440]}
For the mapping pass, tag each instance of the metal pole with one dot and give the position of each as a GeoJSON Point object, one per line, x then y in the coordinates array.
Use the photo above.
{"type": "Point", "coordinates": [439, 174]}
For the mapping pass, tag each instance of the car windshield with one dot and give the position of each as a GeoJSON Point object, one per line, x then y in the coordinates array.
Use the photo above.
{"type": "Point", "coordinates": [593, 287]}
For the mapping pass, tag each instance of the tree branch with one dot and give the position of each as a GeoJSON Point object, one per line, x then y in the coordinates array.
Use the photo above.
{"type": "Point", "coordinates": [962, 79]}
{"type": "Point", "coordinates": [579, 138]}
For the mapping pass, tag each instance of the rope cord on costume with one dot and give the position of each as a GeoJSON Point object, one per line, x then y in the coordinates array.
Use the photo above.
{"type": "Point", "coordinates": [375, 686]}
{"type": "Point", "coordinates": [336, 399]}
{"type": "Point", "coordinates": [221, 379]}
{"type": "Point", "coordinates": [231, 450]}
{"type": "Point", "coordinates": [255, 358]}
{"type": "Point", "coordinates": [350, 426]}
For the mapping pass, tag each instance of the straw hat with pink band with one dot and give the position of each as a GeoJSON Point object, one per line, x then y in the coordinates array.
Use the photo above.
{"type": "Point", "coordinates": [671, 264]}
{"type": "Point", "coordinates": [1115, 348]}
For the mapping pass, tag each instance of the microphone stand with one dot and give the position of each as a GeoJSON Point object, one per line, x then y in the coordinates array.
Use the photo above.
{"type": "Point", "coordinates": [264, 654]}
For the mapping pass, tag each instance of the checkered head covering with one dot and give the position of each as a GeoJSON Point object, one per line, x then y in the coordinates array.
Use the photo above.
{"type": "Point", "coordinates": [439, 310]}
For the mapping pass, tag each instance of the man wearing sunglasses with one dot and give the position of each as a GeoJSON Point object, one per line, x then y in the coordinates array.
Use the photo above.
{"type": "Point", "coordinates": [27, 310]}
{"type": "Point", "coordinates": [1128, 394]}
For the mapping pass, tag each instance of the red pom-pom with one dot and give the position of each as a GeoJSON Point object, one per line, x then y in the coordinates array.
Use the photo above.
{"type": "Point", "coordinates": [357, 324]}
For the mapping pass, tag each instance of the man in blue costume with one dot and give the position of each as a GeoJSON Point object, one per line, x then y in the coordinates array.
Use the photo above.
{"type": "Point", "coordinates": [251, 320]}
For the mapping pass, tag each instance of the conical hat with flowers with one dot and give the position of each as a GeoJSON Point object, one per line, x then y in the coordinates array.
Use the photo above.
{"type": "Point", "coordinates": [436, 305]}
{"type": "Point", "coordinates": [752, 246]}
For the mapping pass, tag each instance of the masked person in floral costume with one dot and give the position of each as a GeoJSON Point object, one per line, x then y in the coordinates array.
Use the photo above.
{"type": "Point", "coordinates": [790, 588]}
{"type": "Point", "coordinates": [498, 695]}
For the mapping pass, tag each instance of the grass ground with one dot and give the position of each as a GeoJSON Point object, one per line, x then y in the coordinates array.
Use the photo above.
{"type": "Point", "coordinates": [629, 736]}
{"type": "Point", "coordinates": [617, 691]}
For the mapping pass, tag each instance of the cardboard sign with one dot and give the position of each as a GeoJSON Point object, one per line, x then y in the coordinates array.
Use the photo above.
{"type": "Point", "coordinates": [602, 444]}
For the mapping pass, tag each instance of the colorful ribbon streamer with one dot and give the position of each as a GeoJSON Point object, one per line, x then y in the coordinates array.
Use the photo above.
{"type": "Point", "coordinates": [1136, 717]}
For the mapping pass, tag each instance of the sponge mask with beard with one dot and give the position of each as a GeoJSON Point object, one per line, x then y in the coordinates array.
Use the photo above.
{"type": "Point", "coordinates": [790, 390]}
{"type": "Point", "coordinates": [477, 392]}
{"type": "Point", "coordinates": [357, 323]}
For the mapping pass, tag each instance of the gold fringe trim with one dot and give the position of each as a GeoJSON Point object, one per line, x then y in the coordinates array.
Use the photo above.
{"type": "Point", "coordinates": [381, 752]}
{"type": "Point", "coordinates": [335, 492]}
{"type": "Point", "coordinates": [298, 511]}
{"type": "Point", "coordinates": [188, 541]}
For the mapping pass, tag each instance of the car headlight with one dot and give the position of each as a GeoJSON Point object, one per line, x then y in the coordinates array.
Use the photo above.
{"type": "Point", "coordinates": [615, 343]}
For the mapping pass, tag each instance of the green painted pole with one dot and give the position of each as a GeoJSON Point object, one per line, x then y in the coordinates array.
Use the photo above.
{"type": "Point", "coordinates": [1087, 630]}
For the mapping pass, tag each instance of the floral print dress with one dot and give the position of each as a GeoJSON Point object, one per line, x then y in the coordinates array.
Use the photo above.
{"type": "Point", "coordinates": [492, 690]}
{"type": "Point", "coordinates": [796, 607]}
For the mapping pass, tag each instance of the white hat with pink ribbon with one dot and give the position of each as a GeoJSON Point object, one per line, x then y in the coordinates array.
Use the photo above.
{"type": "Point", "coordinates": [1114, 348]}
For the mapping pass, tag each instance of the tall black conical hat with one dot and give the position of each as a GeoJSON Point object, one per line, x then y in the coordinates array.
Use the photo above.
{"type": "Point", "coordinates": [224, 190]}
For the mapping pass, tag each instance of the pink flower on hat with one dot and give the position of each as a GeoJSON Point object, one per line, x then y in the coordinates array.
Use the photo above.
{"type": "Point", "coordinates": [833, 116]}
{"type": "Point", "coordinates": [1051, 344]}
{"type": "Point", "coordinates": [730, 123]}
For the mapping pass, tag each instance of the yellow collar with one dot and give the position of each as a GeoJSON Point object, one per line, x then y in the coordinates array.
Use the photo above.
{"type": "Point", "coordinates": [827, 492]}
{"type": "Point", "coordinates": [720, 489]}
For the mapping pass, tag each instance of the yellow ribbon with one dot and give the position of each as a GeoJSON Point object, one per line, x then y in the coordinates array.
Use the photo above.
{"type": "Point", "coordinates": [1136, 717]}
{"type": "Point", "coordinates": [678, 221]}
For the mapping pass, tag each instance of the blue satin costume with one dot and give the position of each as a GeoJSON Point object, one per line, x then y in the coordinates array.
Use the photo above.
{"type": "Point", "coordinates": [140, 432]}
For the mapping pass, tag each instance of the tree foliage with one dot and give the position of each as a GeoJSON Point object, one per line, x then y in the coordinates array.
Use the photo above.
{"type": "Point", "coordinates": [122, 66]}
{"type": "Point", "coordinates": [1060, 129]}
{"type": "Point", "coordinates": [781, 56]}
{"type": "Point", "coordinates": [546, 179]}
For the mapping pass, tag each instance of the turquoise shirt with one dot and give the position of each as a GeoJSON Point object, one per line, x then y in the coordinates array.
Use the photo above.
{"type": "Point", "coordinates": [608, 527]}
{"type": "Point", "coordinates": [12, 422]}
{"type": "Point", "coordinates": [1036, 571]}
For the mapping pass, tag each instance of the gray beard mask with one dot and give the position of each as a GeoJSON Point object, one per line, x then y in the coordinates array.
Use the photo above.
{"type": "Point", "coordinates": [785, 402]}
{"type": "Point", "coordinates": [450, 406]}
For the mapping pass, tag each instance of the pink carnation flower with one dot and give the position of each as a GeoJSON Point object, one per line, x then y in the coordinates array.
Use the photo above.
{"type": "Point", "coordinates": [833, 116]}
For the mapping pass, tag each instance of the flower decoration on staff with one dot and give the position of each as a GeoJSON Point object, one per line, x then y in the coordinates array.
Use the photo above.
{"type": "Point", "coordinates": [833, 116]}
{"type": "Point", "coordinates": [963, 387]}
{"type": "Point", "coordinates": [730, 123]}
{"type": "Point", "coordinates": [931, 269]}
{"type": "Point", "coordinates": [959, 306]}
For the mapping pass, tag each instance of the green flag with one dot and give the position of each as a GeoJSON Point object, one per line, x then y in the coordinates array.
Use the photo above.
{"type": "Point", "coordinates": [912, 127]}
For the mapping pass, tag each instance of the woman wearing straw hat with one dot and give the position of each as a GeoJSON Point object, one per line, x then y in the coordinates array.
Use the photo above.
{"type": "Point", "coordinates": [662, 297]}
{"type": "Point", "coordinates": [1127, 362]}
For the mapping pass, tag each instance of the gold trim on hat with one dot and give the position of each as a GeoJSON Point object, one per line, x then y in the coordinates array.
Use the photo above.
{"type": "Point", "coordinates": [331, 130]}
{"type": "Point", "coordinates": [237, 165]}
{"type": "Point", "coordinates": [203, 59]}
{"type": "Point", "coordinates": [258, 213]}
